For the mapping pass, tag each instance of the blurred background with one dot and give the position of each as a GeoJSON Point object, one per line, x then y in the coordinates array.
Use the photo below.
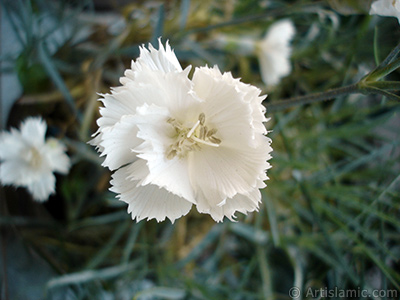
{"type": "Point", "coordinates": [330, 213]}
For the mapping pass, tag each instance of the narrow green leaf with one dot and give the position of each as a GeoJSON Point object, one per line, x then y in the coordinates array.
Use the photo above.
{"type": "Point", "coordinates": [256, 236]}
{"type": "Point", "coordinates": [100, 220]}
{"type": "Point", "coordinates": [381, 72]}
{"type": "Point", "coordinates": [387, 94]}
{"type": "Point", "coordinates": [107, 248]}
{"type": "Point", "coordinates": [376, 44]}
{"type": "Point", "coordinates": [161, 292]}
{"type": "Point", "coordinates": [159, 26]}
{"type": "Point", "coordinates": [393, 277]}
{"type": "Point", "coordinates": [350, 223]}
{"type": "Point", "coordinates": [210, 238]}
{"type": "Point", "coordinates": [391, 55]}
{"type": "Point", "coordinates": [57, 79]}
{"type": "Point", "coordinates": [135, 229]}
{"type": "Point", "coordinates": [270, 206]}
{"type": "Point", "coordinates": [265, 273]}
{"type": "Point", "coordinates": [90, 275]}
{"type": "Point", "coordinates": [185, 7]}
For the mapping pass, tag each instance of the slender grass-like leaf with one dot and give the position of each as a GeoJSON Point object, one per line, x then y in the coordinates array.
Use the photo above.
{"type": "Point", "coordinates": [271, 211]}
{"type": "Point", "coordinates": [161, 293]}
{"type": "Point", "coordinates": [90, 275]}
{"type": "Point", "coordinates": [250, 233]}
{"type": "Point", "coordinates": [267, 288]}
{"type": "Point", "coordinates": [108, 247]}
{"type": "Point", "coordinates": [385, 93]}
{"type": "Point", "coordinates": [57, 79]}
{"type": "Point", "coordinates": [132, 238]}
{"type": "Point", "coordinates": [185, 7]}
{"type": "Point", "coordinates": [210, 238]}
{"type": "Point", "coordinates": [100, 220]}
{"type": "Point", "coordinates": [367, 234]}
{"type": "Point", "coordinates": [376, 45]}
{"type": "Point", "coordinates": [392, 276]}
{"type": "Point", "coordinates": [159, 25]}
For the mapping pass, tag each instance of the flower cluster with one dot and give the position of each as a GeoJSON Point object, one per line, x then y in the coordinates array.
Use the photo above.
{"type": "Point", "coordinates": [174, 141]}
{"type": "Point", "coordinates": [28, 160]}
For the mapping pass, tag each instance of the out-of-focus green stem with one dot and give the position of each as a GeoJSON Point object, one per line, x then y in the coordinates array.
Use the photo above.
{"type": "Point", "coordinates": [374, 90]}
{"type": "Point", "coordinates": [391, 56]}
{"type": "Point", "coordinates": [383, 71]}
{"type": "Point", "coordinates": [387, 85]}
{"type": "Point", "coordinates": [368, 85]}
{"type": "Point", "coordinates": [312, 98]}
{"type": "Point", "coordinates": [376, 48]}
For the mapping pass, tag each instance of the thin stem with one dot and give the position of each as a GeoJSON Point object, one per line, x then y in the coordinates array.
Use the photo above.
{"type": "Point", "coordinates": [387, 85]}
{"type": "Point", "coordinates": [391, 56]}
{"type": "Point", "coordinates": [376, 43]}
{"type": "Point", "coordinates": [388, 94]}
{"type": "Point", "coordinates": [383, 71]}
{"type": "Point", "coordinates": [312, 98]}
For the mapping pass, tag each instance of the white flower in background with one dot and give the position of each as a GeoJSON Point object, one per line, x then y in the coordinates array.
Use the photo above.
{"type": "Point", "coordinates": [274, 51]}
{"type": "Point", "coordinates": [175, 142]}
{"type": "Point", "coordinates": [28, 160]}
{"type": "Point", "coordinates": [387, 8]}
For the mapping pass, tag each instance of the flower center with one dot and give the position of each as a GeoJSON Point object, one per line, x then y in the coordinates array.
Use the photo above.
{"type": "Point", "coordinates": [33, 157]}
{"type": "Point", "coordinates": [189, 139]}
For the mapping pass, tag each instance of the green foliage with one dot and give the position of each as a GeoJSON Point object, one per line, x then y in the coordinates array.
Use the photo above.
{"type": "Point", "coordinates": [330, 214]}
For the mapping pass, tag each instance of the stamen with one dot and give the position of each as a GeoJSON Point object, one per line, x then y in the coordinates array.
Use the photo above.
{"type": "Point", "coordinates": [211, 132]}
{"type": "Point", "coordinates": [193, 129]}
{"type": "Point", "coordinates": [205, 142]}
{"type": "Point", "coordinates": [171, 153]}
{"type": "Point", "coordinates": [203, 131]}
{"type": "Point", "coordinates": [202, 118]}
{"type": "Point", "coordinates": [188, 140]}
{"type": "Point", "coordinates": [215, 140]}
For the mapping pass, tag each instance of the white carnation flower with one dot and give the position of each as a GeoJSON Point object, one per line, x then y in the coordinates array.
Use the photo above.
{"type": "Point", "coordinates": [28, 160]}
{"type": "Point", "coordinates": [175, 142]}
{"type": "Point", "coordinates": [387, 8]}
{"type": "Point", "coordinates": [274, 52]}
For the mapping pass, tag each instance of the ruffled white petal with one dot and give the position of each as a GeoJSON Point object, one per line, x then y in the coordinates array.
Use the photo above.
{"type": "Point", "coordinates": [249, 93]}
{"type": "Point", "coordinates": [11, 172]}
{"type": "Point", "coordinates": [119, 141]}
{"type": "Point", "coordinates": [11, 144]}
{"type": "Point", "coordinates": [239, 203]}
{"type": "Point", "coordinates": [163, 59]}
{"type": "Point", "coordinates": [173, 174]}
{"type": "Point", "coordinates": [387, 8]}
{"type": "Point", "coordinates": [117, 104]}
{"type": "Point", "coordinates": [274, 52]}
{"type": "Point", "coordinates": [224, 107]}
{"type": "Point", "coordinates": [58, 161]}
{"type": "Point", "coordinates": [42, 187]}
{"type": "Point", "coordinates": [149, 201]}
{"type": "Point", "coordinates": [220, 173]}
{"type": "Point", "coordinates": [238, 165]}
{"type": "Point", "coordinates": [33, 131]}
{"type": "Point", "coordinates": [172, 90]}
